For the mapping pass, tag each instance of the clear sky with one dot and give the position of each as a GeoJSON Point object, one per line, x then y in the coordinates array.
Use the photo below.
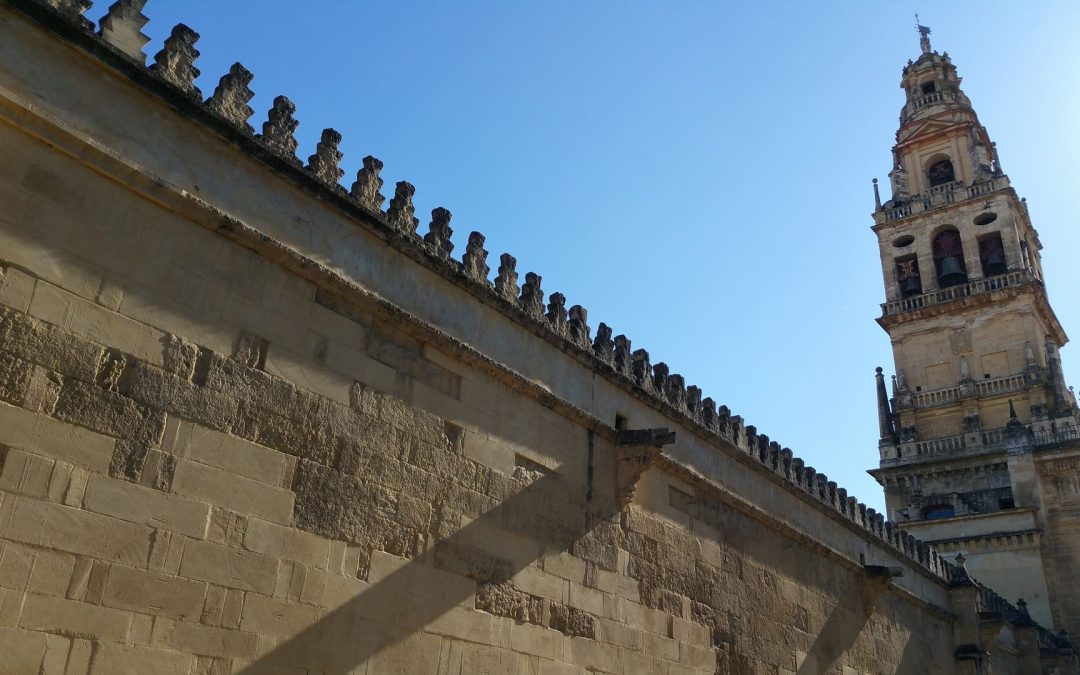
{"type": "Point", "coordinates": [696, 174]}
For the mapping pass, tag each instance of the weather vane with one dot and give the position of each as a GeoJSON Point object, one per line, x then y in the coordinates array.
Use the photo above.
{"type": "Point", "coordinates": [924, 35]}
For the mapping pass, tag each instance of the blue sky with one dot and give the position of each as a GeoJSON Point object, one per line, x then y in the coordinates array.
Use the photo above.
{"type": "Point", "coordinates": [696, 174]}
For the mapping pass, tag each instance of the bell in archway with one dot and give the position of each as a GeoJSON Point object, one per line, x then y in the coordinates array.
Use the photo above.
{"type": "Point", "coordinates": [952, 272]}
{"type": "Point", "coordinates": [995, 264]}
{"type": "Point", "coordinates": [910, 286]}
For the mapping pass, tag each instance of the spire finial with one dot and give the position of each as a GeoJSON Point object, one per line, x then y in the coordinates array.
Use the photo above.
{"type": "Point", "coordinates": [924, 35]}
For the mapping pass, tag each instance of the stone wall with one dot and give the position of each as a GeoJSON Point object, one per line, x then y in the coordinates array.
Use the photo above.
{"type": "Point", "coordinates": [249, 423]}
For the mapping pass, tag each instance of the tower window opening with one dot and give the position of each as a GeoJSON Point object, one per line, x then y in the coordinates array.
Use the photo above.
{"type": "Point", "coordinates": [992, 255]}
{"type": "Point", "coordinates": [940, 173]}
{"type": "Point", "coordinates": [907, 275]}
{"type": "Point", "coordinates": [928, 87]}
{"type": "Point", "coordinates": [949, 259]}
{"type": "Point", "coordinates": [938, 511]}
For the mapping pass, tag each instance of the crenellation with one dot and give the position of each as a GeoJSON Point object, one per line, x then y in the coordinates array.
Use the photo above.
{"type": "Point", "coordinates": [506, 282]}
{"type": "Point", "coordinates": [640, 369]}
{"type": "Point", "coordinates": [122, 27]}
{"type": "Point", "coordinates": [401, 212]}
{"type": "Point", "coordinates": [709, 417]}
{"type": "Point", "coordinates": [230, 98]}
{"type": "Point", "coordinates": [622, 357]}
{"type": "Point", "coordinates": [474, 262]}
{"type": "Point", "coordinates": [72, 10]}
{"type": "Point", "coordinates": [675, 387]}
{"type": "Point", "coordinates": [531, 300]}
{"type": "Point", "coordinates": [366, 188]}
{"type": "Point", "coordinates": [694, 404]}
{"type": "Point", "coordinates": [439, 233]}
{"type": "Point", "coordinates": [556, 313]}
{"type": "Point", "coordinates": [175, 63]}
{"type": "Point", "coordinates": [660, 373]}
{"type": "Point", "coordinates": [323, 165]}
{"type": "Point", "coordinates": [279, 129]}
{"type": "Point", "coordinates": [578, 327]}
{"type": "Point", "coordinates": [603, 346]}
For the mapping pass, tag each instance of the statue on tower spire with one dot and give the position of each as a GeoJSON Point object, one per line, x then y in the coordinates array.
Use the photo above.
{"type": "Point", "coordinates": [924, 35]}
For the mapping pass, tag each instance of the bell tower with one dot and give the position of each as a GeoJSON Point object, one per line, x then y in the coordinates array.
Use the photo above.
{"type": "Point", "coordinates": [979, 448]}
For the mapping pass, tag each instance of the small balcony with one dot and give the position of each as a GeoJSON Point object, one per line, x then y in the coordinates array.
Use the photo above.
{"type": "Point", "coordinates": [971, 288]}
{"type": "Point", "coordinates": [941, 195]}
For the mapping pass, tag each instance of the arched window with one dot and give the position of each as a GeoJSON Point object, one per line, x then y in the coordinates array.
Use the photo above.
{"type": "Point", "coordinates": [940, 173]}
{"type": "Point", "coordinates": [938, 511]}
{"type": "Point", "coordinates": [949, 259]}
{"type": "Point", "coordinates": [992, 255]}
{"type": "Point", "coordinates": [907, 275]}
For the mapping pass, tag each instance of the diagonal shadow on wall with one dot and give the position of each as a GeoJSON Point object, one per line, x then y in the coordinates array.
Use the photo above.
{"type": "Point", "coordinates": [389, 610]}
{"type": "Point", "coordinates": [843, 627]}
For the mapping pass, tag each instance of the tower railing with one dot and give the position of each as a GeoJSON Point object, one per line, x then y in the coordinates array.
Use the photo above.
{"type": "Point", "coordinates": [942, 195]}
{"type": "Point", "coordinates": [941, 295]}
{"type": "Point", "coordinates": [983, 440]}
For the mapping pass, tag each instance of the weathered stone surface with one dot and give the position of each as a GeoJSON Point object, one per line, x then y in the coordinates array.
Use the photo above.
{"type": "Point", "coordinates": [175, 63]}
{"type": "Point", "coordinates": [366, 188]}
{"type": "Point", "coordinates": [506, 282]}
{"type": "Point", "coordinates": [474, 263]}
{"type": "Point", "coordinates": [401, 211]}
{"type": "Point", "coordinates": [230, 98]}
{"type": "Point", "coordinates": [324, 163]}
{"type": "Point", "coordinates": [109, 413]}
{"type": "Point", "coordinates": [122, 28]}
{"type": "Point", "coordinates": [572, 621]}
{"type": "Point", "coordinates": [49, 346]}
{"type": "Point", "coordinates": [279, 128]}
{"type": "Point", "coordinates": [439, 233]}
{"type": "Point", "coordinates": [502, 599]}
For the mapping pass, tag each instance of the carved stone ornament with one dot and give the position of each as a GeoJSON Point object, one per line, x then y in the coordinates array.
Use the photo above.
{"type": "Point", "coordinates": [439, 232]}
{"type": "Point", "coordinates": [365, 190]}
{"type": "Point", "coordinates": [122, 26]}
{"type": "Point", "coordinates": [474, 262]}
{"type": "Point", "coordinates": [635, 451]}
{"type": "Point", "coordinates": [278, 129]}
{"type": "Point", "coordinates": [324, 163]}
{"type": "Point", "coordinates": [401, 211]}
{"type": "Point", "coordinates": [175, 63]}
{"type": "Point", "coordinates": [230, 98]}
{"type": "Point", "coordinates": [506, 282]}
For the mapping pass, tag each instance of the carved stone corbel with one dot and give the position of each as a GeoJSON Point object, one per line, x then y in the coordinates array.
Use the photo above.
{"type": "Point", "coordinates": [635, 451]}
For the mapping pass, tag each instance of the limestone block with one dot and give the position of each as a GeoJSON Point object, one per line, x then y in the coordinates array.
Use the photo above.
{"type": "Point", "coordinates": [273, 616]}
{"type": "Point", "coordinates": [534, 580]}
{"type": "Point", "coordinates": [285, 542]}
{"type": "Point", "coordinates": [360, 367]}
{"type": "Point", "coordinates": [537, 640]}
{"type": "Point", "coordinates": [45, 436]}
{"type": "Point", "coordinates": [233, 491]}
{"type": "Point", "coordinates": [94, 322]}
{"type": "Point", "coordinates": [16, 288]}
{"type": "Point", "coordinates": [153, 593]}
{"type": "Point", "coordinates": [23, 473]}
{"type": "Point", "coordinates": [59, 615]}
{"type": "Point", "coordinates": [56, 654]}
{"type": "Point", "coordinates": [76, 531]}
{"type": "Point", "coordinates": [236, 455]}
{"type": "Point", "coordinates": [696, 656]}
{"type": "Point", "coordinates": [555, 668]}
{"type": "Point", "coordinates": [232, 608]}
{"type": "Point", "coordinates": [464, 624]}
{"type": "Point", "coordinates": [22, 650]}
{"type": "Point", "coordinates": [193, 638]}
{"type": "Point", "coordinates": [79, 657]}
{"type": "Point", "coordinates": [16, 564]}
{"type": "Point", "coordinates": [588, 599]}
{"type": "Point", "coordinates": [618, 584]}
{"type": "Point", "coordinates": [308, 375]}
{"type": "Point", "coordinates": [125, 500]}
{"type": "Point", "coordinates": [51, 573]}
{"type": "Point", "coordinates": [662, 646]}
{"type": "Point", "coordinates": [228, 567]}
{"type": "Point", "coordinates": [595, 655]}
{"type": "Point", "coordinates": [118, 659]}
{"type": "Point", "coordinates": [621, 634]}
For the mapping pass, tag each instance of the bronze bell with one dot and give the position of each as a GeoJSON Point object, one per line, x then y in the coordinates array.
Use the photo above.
{"type": "Point", "coordinates": [995, 264]}
{"type": "Point", "coordinates": [910, 286]}
{"type": "Point", "coordinates": [952, 273]}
